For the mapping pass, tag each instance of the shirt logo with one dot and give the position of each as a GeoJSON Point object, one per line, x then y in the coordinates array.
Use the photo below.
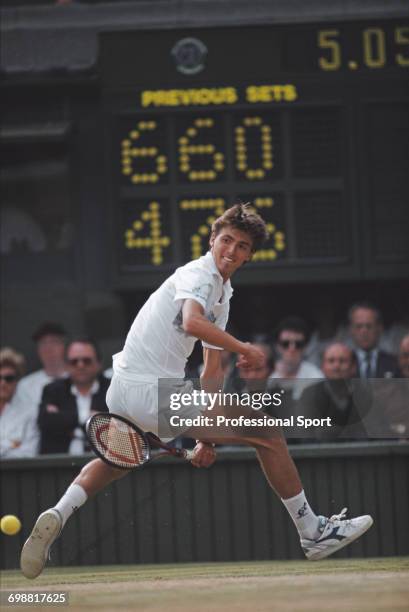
{"type": "Point", "coordinates": [202, 291]}
{"type": "Point", "coordinates": [178, 323]}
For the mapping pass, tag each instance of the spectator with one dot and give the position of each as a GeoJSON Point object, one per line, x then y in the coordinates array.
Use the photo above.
{"type": "Point", "coordinates": [50, 344]}
{"type": "Point", "coordinates": [391, 398]}
{"type": "Point", "coordinates": [403, 357]}
{"type": "Point", "coordinates": [391, 337]}
{"type": "Point", "coordinates": [338, 362]}
{"type": "Point", "coordinates": [19, 434]}
{"type": "Point", "coordinates": [399, 402]}
{"type": "Point", "coordinates": [365, 325]}
{"type": "Point", "coordinates": [337, 396]}
{"type": "Point", "coordinates": [291, 337]}
{"type": "Point", "coordinates": [67, 403]}
{"type": "Point", "coordinates": [325, 328]}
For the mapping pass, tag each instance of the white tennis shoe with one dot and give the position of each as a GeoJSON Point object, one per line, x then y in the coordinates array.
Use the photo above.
{"type": "Point", "coordinates": [336, 532]}
{"type": "Point", "coordinates": [35, 551]}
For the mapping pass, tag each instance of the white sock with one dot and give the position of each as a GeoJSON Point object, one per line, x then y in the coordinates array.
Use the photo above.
{"type": "Point", "coordinates": [303, 517]}
{"type": "Point", "coordinates": [73, 498]}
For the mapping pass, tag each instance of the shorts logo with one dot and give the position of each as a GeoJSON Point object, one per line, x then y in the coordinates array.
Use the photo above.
{"type": "Point", "coordinates": [303, 510]}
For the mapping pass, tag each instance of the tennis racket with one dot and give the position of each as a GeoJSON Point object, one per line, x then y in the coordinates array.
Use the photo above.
{"type": "Point", "coordinates": [123, 445]}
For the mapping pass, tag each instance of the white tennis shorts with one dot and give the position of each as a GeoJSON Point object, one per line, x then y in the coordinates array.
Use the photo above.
{"type": "Point", "coordinates": [147, 403]}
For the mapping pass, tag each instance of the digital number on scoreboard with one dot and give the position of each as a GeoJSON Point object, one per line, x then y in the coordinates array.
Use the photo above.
{"type": "Point", "coordinates": [199, 120]}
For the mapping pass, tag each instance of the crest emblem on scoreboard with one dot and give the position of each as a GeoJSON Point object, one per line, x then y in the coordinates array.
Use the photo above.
{"type": "Point", "coordinates": [189, 55]}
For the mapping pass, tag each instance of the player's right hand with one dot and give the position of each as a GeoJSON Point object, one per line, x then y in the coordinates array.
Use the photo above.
{"type": "Point", "coordinates": [204, 455]}
{"type": "Point", "coordinates": [251, 357]}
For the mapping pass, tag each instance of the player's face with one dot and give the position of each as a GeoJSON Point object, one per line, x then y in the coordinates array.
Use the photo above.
{"type": "Point", "coordinates": [337, 362]}
{"type": "Point", "coordinates": [82, 363]}
{"type": "Point", "coordinates": [231, 248]}
{"type": "Point", "coordinates": [365, 328]}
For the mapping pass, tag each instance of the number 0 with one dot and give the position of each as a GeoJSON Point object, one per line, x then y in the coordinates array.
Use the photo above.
{"type": "Point", "coordinates": [374, 47]}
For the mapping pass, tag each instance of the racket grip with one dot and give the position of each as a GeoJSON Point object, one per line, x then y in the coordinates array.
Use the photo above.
{"type": "Point", "coordinates": [189, 454]}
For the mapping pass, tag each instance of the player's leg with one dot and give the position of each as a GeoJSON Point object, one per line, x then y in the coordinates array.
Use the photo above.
{"type": "Point", "coordinates": [282, 475]}
{"type": "Point", "coordinates": [320, 536]}
{"type": "Point", "coordinates": [93, 477]}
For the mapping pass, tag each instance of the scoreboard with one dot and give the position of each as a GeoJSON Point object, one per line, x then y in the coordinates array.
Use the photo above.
{"type": "Point", "coordinates": [309, 123]}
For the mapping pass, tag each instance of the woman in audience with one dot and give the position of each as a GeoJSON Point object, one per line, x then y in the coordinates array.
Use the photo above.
{"type": "Point", "coordinates": [19, 436]}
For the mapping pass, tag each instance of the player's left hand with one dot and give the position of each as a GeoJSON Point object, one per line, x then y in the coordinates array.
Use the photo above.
{"type": "Point", "coordinates": [251, 357]}
{"type": "Point", "coordinates": [204, 455]}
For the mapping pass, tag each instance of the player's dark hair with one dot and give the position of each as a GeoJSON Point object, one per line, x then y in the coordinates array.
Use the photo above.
{"type": "Point", "coordinates": [244, 218]}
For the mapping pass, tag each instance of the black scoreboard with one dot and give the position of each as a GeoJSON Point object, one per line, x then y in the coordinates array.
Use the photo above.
{"type": "Point", "coordinates": [309, 123]}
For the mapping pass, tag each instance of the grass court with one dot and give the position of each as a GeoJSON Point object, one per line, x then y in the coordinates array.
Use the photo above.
{"type": "Point", "coordinates": [335, 585]}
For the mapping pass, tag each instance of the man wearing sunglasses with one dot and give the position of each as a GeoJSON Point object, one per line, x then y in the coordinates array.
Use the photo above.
{"type": "Point", "coordinates": [67, 403]}
{"type": "Point", "coordinates": [291, 338]}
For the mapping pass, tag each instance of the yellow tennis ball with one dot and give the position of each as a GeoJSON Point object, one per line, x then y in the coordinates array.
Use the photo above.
{"type": "Point", "coordinates": [10, 524]}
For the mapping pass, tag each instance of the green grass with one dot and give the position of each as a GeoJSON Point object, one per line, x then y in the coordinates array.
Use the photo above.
{"type": "Point", "coordinates": [361, 585]}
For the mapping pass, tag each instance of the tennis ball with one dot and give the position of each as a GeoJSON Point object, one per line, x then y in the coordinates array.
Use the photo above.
{"type": "Point", "coordinates": [10, 524]}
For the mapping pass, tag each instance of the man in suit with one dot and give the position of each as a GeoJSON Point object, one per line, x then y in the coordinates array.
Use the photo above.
{"type": "Point", "coordinates": [365, 325]}
{"type": "Point", "coordinates": [339, 397]}
{"type": "Point", "coordinates": [67, 403]}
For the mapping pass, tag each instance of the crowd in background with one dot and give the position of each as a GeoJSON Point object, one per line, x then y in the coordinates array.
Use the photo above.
{"type": "Point", "coordinates": [45, 412]}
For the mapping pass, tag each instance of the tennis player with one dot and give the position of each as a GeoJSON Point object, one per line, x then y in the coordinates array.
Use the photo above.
{"type": "Point", "coordinates": [193, 304]}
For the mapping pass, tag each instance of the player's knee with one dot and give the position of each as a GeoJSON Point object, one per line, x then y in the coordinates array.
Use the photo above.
{"type": "Point", "coordinates": [114, 473]}
{"type": "Point", "coordinates": [98, 469]}
{"type": "Point", "coordinates": [273, 444]}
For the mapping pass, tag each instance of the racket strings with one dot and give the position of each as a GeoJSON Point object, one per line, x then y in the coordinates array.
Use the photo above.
{"type": "Point", "coordinates": [118, 442]}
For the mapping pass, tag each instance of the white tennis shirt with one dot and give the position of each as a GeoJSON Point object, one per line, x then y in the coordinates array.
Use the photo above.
{"type": "Point", "coordinates": [156, 345]}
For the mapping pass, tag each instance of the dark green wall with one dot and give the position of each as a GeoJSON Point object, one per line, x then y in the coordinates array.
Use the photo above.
{"type": "Point", "coordinates": [172, 512]}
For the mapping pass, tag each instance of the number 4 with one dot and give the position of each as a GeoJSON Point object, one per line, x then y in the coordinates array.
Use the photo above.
{"type": "Point", "coordinates": [155, 241]}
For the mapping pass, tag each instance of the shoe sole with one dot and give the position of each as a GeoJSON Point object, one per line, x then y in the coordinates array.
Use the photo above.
{"type": "Point", "coordinates": [330, 551]}
{"type": "Point", "coordinates": [35, 550]}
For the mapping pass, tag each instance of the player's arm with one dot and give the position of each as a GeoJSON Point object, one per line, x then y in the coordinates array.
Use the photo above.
{"type": "Point", "coordinates": [195, 324]}
{"type": "Point", "coordinates": [211, 381]}
{"type": "Point", "coordinates": [211, 378]}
